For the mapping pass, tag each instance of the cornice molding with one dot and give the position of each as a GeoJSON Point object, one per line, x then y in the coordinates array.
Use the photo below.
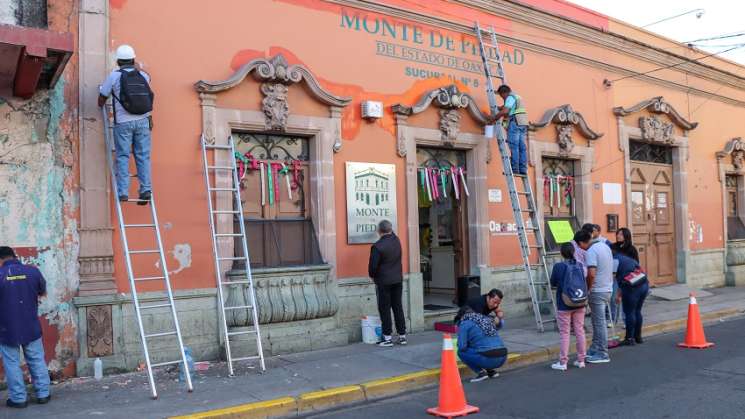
{"type": "Point", "coordinates": [448, 97]}
{"type": "Point", "coordinates": [565, 115]}
{"type": "Point", "coordinates": [735, 148]}
{"type": "Point", "coordinates": [545, 20]}
{"type": "Point", "coordinates": [275, 70]}
{"type": "Point", "coordinates": [657, 105]}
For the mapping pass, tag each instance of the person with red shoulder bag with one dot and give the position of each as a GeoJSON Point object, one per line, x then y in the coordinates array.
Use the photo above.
{"type": "Point", "coordinates": [634, 286]}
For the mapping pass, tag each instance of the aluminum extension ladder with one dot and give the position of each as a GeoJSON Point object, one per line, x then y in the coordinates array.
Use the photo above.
{"type": "Point", "coordinates": [139, 308]}
{"type": "Point", "coordinates": [544, 306]}
{"type": "Point", "coordinates": [236, 212]}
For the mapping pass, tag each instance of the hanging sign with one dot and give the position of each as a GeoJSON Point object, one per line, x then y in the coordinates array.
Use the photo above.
{"type": "Point", "coordinates": [561, 230]}
{"type": "Point", "coordinates": [371, 198]}
{"type": "Point", "coordinates": [495, 195]}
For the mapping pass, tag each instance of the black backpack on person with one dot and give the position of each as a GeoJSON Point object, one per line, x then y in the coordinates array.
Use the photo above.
{"type": "Point", "coordinates": [135, 94]}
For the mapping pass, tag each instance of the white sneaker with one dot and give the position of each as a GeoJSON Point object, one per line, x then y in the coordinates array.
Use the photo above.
{"type": "Point", "coordinates": [559, 366]}
{"type": "Point", "coordinates": [579, 364]}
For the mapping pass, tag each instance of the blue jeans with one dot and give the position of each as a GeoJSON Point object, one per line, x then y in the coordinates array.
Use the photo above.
{"type": "Point", "coordinates": [614, 308]}
{"type": "Point", "coordinates": [598, 304]}
{"type": "Point", "coordinates": [132, 136]}
{"type": "Point", "coordinates": [633, 299]}
{"type": "Point", "coordinates": [478, 362]}
{"type": "Point", "coordinates": [518, 151]}
{"type": "Point", "coordinates": [34, 354]}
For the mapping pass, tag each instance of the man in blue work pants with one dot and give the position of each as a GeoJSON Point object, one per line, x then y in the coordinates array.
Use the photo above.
{"type": "Point", "coordinates": [21, 286]}
{"type": "Point", "coordinates": [517, 128]}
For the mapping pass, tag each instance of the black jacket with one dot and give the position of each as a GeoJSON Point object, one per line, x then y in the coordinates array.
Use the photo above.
{"type": "Point", "coordinates": [629, 251]}
{"type": "Point", "coordinates": [385, 261]}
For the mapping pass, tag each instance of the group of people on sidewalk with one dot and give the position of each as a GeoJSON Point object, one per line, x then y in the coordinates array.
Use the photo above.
{"type": "Point", "coordinates": [603, 275]}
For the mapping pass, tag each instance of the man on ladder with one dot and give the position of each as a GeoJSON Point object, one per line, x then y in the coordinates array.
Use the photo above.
{"type": "Point", "coordinates": [516, 118]}
{"type": "Point", "coordinates": [133, 102]}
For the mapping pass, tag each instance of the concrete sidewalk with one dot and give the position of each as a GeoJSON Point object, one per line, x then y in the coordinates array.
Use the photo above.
{"type": "Point", "coordinates": [294, 376]}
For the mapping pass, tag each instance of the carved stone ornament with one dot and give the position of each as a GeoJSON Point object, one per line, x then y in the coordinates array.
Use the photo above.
{"type": "Point", "coordinates": [274, 105]}
{"type": "Point", "coordinates": [450, 100]}
{"type": "Point", "coordinates": [655, 130]}
{"type": "Point", "coordinates": [736, 149]}
{"type": "Point", "coordinates": [658, 105]}
{"type": "Point", "coordinates": [276, 74]}
{"type": "Point", "coordinates": [284, 297]}
{"type": "Point", "coordinates": [566, 119]}
{"type": "Point", "coordinates": [449, 125]}
{"type": "Point", "coordinates": [100, 335]}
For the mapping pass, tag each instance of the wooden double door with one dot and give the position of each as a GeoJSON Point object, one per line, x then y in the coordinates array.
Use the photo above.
{"type": "Point", "coordinates": [653, 220]}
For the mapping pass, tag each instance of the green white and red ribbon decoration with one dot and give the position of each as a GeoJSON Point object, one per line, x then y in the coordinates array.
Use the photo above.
{"type": "Point", "coordinates": [552, 189]}
{"type": "Point", "coordinates": [436, 182]}
{"type": "Point", "coordinates": [269, 174]}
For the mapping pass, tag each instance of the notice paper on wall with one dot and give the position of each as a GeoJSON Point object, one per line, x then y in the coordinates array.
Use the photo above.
{"type": "Point", "coordinates": [561, 230]}
{"type": "Point", "coordinates": [612, 193]}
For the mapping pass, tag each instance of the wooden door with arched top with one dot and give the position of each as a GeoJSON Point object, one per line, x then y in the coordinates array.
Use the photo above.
{"type": "Point", "coordinates": [652, 210]}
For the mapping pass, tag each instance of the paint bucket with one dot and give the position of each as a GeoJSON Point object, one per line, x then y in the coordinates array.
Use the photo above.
{"type": "Point", "coordinates": [371, 329]}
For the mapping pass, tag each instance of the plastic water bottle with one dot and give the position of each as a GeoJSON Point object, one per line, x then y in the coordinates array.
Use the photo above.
{"type": "Point", "coordinates": [98, 369]}
{"type": "Point", "coordinates": [190, 363]}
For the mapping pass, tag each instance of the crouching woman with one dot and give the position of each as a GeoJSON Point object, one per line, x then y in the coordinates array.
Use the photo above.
{"type": "Point", "coordinates": [479, 344]}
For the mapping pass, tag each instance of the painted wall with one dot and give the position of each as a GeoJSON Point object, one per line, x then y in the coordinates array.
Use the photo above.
{"type": "Point", "coordinates": [38, 193]}
{"type": "Point", "coordinates": [367, 55]}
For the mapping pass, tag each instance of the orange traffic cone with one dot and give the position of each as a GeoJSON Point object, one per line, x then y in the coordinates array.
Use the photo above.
{"type": "Point", "coordinates": [695, 337]}
{"type": "Point", "coordinates": [452, 401]}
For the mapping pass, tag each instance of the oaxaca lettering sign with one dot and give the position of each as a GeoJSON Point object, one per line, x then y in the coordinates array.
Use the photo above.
{"type": "Point", "coordinates": [371, 198]}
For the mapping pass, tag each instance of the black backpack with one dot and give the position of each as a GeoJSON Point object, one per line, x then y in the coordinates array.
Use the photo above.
{"type": "Point", "coordinates": [135, 95]}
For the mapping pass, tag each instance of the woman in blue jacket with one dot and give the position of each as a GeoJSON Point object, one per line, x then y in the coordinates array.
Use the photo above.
{"type": "Point", "coordinates": [479, 344]}
{"type": "Point", "coordinates": [633, 297]}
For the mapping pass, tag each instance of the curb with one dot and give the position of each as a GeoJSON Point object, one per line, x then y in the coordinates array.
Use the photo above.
{"type": "Point", "coordinates": [377, 389]}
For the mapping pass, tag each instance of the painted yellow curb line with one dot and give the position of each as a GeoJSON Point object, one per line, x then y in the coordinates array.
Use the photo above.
{"type": "Point", "coordinates": [371, 390]}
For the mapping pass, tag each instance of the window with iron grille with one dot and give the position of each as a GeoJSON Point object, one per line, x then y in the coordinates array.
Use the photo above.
{"type": "Point", "coordinates": [559, 196]}
{"type": "Point", "coordinates": [735, 226]}
{"type": "Point", "coordinates": [650, 153]}
{"type": "Point", "coordinates": [275, 194]}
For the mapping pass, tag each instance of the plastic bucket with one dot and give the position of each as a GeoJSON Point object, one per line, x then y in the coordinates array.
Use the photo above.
{"type": "Point", "coordinates": [371, 330]}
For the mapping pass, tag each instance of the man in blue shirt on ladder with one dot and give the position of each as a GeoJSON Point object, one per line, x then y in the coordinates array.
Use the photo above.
{"type": "Point", "coordinates": [517, 128]}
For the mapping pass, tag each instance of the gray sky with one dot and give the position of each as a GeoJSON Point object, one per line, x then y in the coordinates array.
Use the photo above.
{"type": "Point", "coordinates": [721, 17]}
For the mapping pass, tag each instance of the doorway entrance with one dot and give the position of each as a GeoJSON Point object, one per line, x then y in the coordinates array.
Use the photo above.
{"type": "Point", "coordinates": [652, 210]}
{"type": "Point", "coordinates": [443, 228]}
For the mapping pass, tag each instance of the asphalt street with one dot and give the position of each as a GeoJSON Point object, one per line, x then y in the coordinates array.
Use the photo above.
{"type": "Point", "coordinates": [652, 380]}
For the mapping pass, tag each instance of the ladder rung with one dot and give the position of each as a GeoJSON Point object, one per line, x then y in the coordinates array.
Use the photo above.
{"type": "Point", "coordinates": [232, 258]}
{"type": "Point", "coordinates": [535, 246]}
{"type": "Point", "coordinates": [140, 252]}
{"type": "Point", "coordinates": [154, 306]}
{"type": "Point", "coordinates": [522, 193]}
{"type": "Point", "coordinates": [223, 189]}
{"type": "Point", "coordinates": [218, 147]}
{"type": "Point", "coordinates": [163, 364]}
{"type": "Point", "coordinates": [552, 319]}
{"type": "Point", "coordinates": [149, 278]}
{"type": "Point", "coordinates": [245, 358]}
{"type": "Point", "coordinates": [219, 168]}
{"type": "Point", "coordinates": [225, 212]}
{"type": "Point", "coordinates": [138, 225]}
{"type": "Point", "coordinates": [135, 200]}
{"type": "Point", "coordinates": [544, 302]}
{"type": "Point", "coordinates": [228, 235]}
{"type": "Point", "coordinates": [236, 282]}
{"type": "Point", "coordinates": [237, 307]}
{"type": "Point", "coordinates": [527, 210]}
{"type": "Point", "coordinates": [519, 175]}
{"type": "Point", "coordinates": [242, 332]}
{"type": "Point", "coordinates": [157, 335]}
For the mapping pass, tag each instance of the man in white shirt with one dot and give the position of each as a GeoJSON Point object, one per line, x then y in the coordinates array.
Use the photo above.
{"type": "Point", "coordinates": [599, 259]}
{"type": "Point", "coordinates": [132, 122]}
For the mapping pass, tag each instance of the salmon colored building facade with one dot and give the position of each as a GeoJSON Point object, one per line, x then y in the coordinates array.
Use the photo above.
{"type": "Point", "coordinates": [627, 129]}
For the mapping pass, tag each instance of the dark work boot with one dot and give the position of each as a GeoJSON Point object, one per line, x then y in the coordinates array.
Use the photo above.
{"type": "Point", "coordinates": [16, 405]}
{"type": "Point", "coordinates": [144, 198]}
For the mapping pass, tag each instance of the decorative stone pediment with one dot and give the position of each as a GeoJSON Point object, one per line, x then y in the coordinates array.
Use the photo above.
{"type": "Point", "coordinates": [736, 149]}
{"type": "Point", "coordinates": [657, 105]}
{"type": "Point", "coordinates": [450, 100]}
{"type": "Point", "coordinates": [275, 74]}
{"type": "Point", "coordinates": [655, 130]}
{"type": "Point", "coordinates": [566, 119]}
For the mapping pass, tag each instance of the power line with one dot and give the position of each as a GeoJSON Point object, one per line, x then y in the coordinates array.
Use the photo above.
{"type": "Point", "coordinates": [607, 82]}
{"type": "Point", "coordinates": [725, 36]}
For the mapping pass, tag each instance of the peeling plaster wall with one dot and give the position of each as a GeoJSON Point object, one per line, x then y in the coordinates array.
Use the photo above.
{"type": "Point", "coordinates": [39, 190]}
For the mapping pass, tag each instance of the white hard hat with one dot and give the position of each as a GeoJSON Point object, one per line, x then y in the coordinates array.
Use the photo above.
{"type": "Point", "coordinates": [125, 52]}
